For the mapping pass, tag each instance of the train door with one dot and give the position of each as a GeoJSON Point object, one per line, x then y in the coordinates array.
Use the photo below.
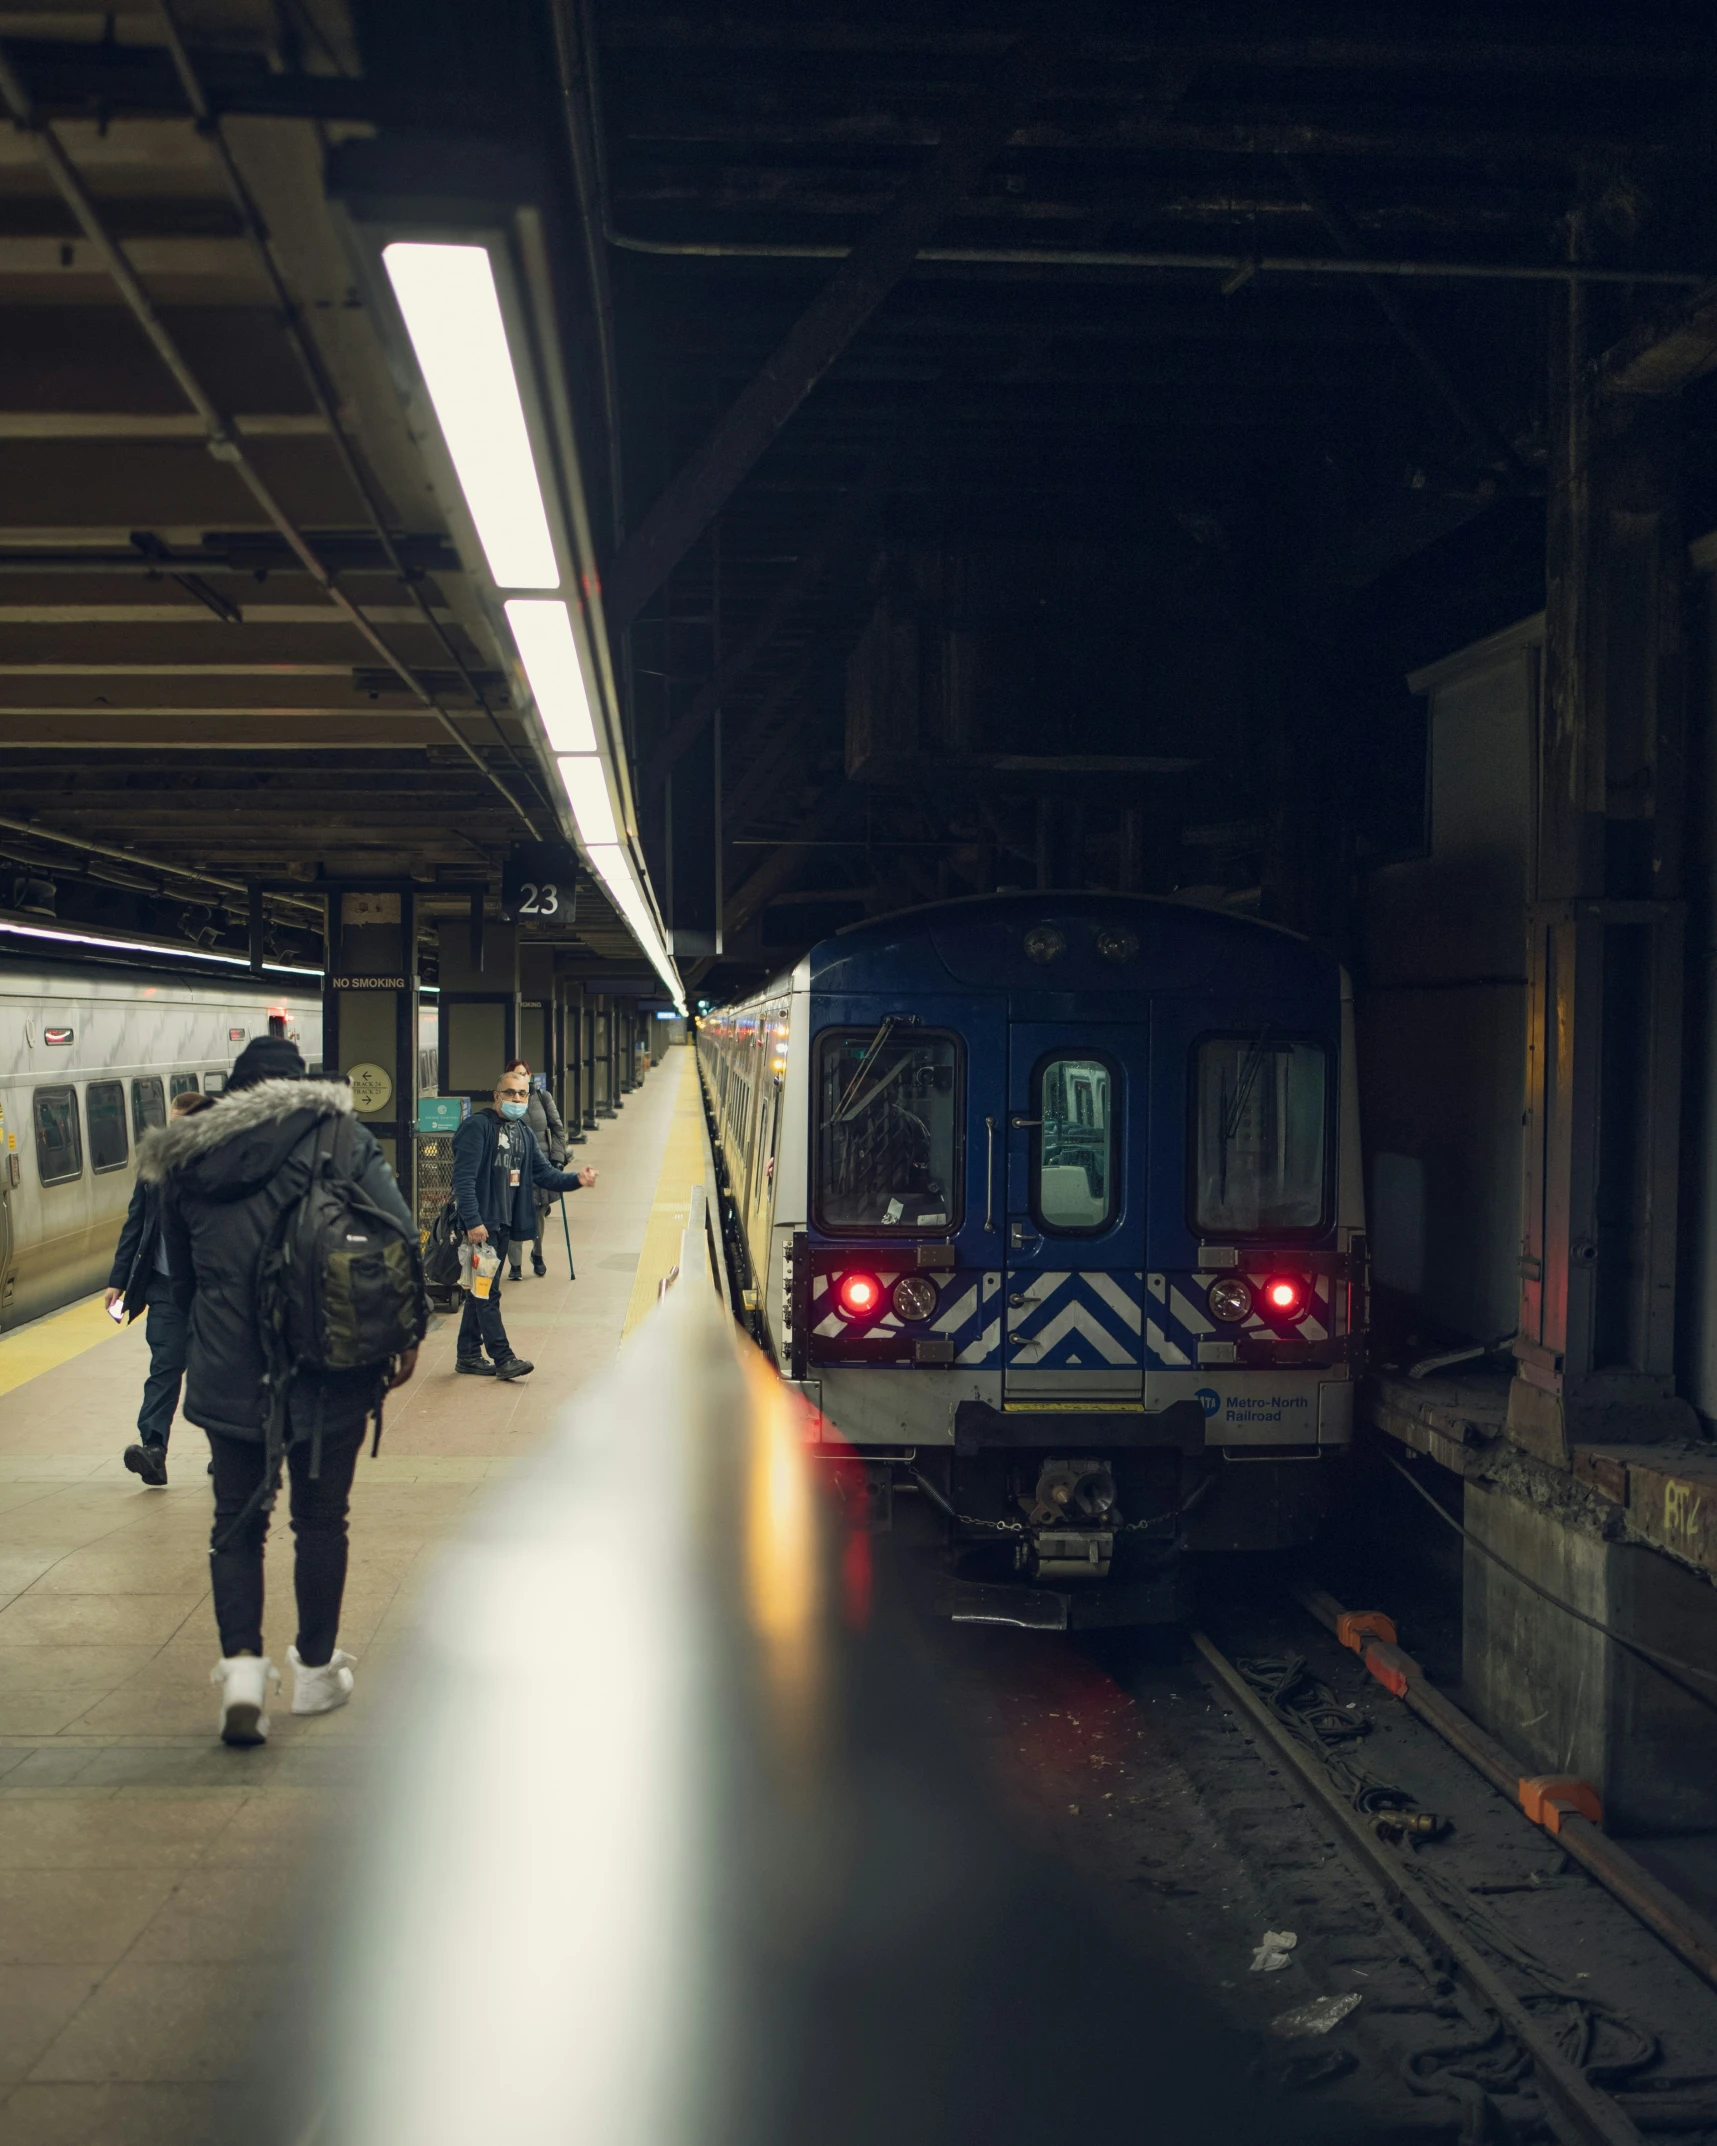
{"type": "Point", "coordinates": [1076, 1125]}
{"type": "Point", "coordinates": [9, 1172]}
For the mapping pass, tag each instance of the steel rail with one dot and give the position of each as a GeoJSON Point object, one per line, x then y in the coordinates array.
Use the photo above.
{"type": "Point", "coordinates": [223, 443]}
{"type": "Point", "coordinates": [1584, 2112]}
{"type": "Point", "coordinates": [308, 356]}
{"type": "Point", "coordinates": [1681, 1927]}
{"type": "Point", "coordinates": [1285, 264]}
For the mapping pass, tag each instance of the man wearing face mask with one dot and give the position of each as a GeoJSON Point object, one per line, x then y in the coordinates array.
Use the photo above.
{"type": "Point", "coordinates": [498, 1169]}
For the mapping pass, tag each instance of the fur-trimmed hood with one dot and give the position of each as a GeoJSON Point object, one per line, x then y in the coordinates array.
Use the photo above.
{"type": "Point", "coordinates": [242, 1140]}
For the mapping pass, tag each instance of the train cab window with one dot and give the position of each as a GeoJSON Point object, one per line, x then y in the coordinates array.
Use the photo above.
{"type": "Point", "coordinates": [1260, 1137]}
{"type": "Point", "coordinates": [109, 1149]}
{"type": "Point", "coordinates": [888, 1146]}
{"type": "Point", "coordinates": [148, 1105]}
{"type": "Point", "coordinates": [180, 1084]}
{"type": "Point", "coordinates": [59, 1135]}
{"type": "Point", "coordinates": [214, 1083]}
{"type": "Point", "coordinates": [1075, 1182]}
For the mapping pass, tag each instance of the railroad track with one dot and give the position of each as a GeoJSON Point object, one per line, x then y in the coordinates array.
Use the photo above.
{"type": "Point", "coordinates": [1484, 1986]}
{"type": "Point", "coordinates": [1580, 2111]}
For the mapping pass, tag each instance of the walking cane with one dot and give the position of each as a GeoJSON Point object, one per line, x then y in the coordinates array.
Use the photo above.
{"type": "Point", "coordinates": [571, 1272]}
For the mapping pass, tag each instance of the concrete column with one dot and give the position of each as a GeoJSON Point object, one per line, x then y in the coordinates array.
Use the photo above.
{"type": "Point", "coordinates": [1564, 1698]}
{"type": "Point", "coordinates": [369, 1015]}
{"type": "Point", "coordinates": [1595, 1349]}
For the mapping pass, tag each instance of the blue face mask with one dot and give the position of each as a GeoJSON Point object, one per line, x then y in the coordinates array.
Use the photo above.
{"type": "Point", "coordinates": [514, 1110]}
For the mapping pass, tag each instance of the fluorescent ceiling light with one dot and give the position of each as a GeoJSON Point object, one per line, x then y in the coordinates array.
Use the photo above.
{"type": "Point", "coordinates": [452, 313]}
{"type": "Point", "coordinates": [543, 631]}
{"type": "Point", "coordinates": [150, 946]}
{"type": "Point", "coordinates": [614, 869]}
{"type": "Point", "coordinates": [592, 807]}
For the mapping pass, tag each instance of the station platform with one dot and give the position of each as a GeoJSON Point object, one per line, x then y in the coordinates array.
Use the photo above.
{"type": "Point", "coordinates": [153, 1883]}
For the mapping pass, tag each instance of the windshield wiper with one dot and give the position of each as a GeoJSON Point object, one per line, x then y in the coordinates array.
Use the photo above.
{"type": "Point", "coordinates": [1250, 1066]}
{"type": "Point", "coordinates": [848, 1104]}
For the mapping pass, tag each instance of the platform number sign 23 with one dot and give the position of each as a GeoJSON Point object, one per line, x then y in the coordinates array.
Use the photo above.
{"type": "Point", "coordinates": [540, 879]}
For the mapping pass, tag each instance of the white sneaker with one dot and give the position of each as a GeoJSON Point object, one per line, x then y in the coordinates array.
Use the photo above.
{"type": "Point", "coordinates": [319, 1691]}
{"type": "Point", "coordinates": [244, 1680]}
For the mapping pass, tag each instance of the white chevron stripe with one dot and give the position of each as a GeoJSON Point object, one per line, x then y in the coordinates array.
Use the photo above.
{"type": "Point", "coordinates": [1075, 1318]}
{"type": "Point", "coordinates": [1186, 1315]}
{"type": "Point", "coordinates": [976, 1351]}
{"type": "Point", "coordinates": [1109, 1288]}
{"type": "Point", "coordinates": [1166, 1351]}
{"type": "Point", "coordinates": [957, 1314]}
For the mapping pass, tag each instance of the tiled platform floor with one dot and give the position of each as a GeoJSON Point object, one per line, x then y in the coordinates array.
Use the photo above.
{"type": "Point", "coordinates": [152, 1882]}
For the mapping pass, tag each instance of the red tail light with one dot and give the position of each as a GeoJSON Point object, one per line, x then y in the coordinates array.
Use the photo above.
{"type": "Point", "coordinates": [1284, 1298]}
{"type": "Point", "coordinates": [859, 1294]}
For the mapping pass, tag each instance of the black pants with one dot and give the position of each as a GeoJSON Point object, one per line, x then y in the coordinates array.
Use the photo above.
{"type": "Point", "coordinates": [318, 1522]}
{"type": "Point", "coordinates": [164, 1327]}
{"type": "Point", "coordinates": [480, 1321]}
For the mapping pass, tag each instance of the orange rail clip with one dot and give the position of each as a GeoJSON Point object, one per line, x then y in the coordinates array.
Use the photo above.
{"type": "Point", "coordinates": [1354, 1627]}
{"type": "Point", "coordinates": [1390, 1667]}
{"type": "Point", "coordinates": [1547, 1798]}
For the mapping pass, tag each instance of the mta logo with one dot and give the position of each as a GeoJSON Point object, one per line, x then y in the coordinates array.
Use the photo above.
{"type": "Point", "coordinates": [1208, 1400]}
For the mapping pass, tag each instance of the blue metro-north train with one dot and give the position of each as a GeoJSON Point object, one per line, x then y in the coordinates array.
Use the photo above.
{"type": "Point", "coordinates": [1051, 1207]}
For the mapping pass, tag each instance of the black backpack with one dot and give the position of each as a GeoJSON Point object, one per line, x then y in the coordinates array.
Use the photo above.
{"type": "Point", "coordinates": [341, 1280]}
{"type": "Point", "coordinates": [339, 1288]}
{"type": "Point", "coordinates": [441, 1252]}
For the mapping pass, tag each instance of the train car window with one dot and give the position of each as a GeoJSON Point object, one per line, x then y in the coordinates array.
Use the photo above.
{"type": "Point", "coordinates": [888, 1130]}
{"type": "Point", "coordinates": [109, 1149]}
{"type": "Point", "coordinates": [1074, 1185]}
{"type": "Point", "coordinates": [59, 1135]}
{"type": "Point", "coordinates": [1260, 1136]}
{"type": "Point", "coordinates": [180, 1084]}
{"type": "Point", "coordinates": [148, 1105]}
{"type": "Point", "coordinates": [214, 1083]}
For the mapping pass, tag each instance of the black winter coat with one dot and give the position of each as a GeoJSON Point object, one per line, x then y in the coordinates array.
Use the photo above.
{"type": "Point", "coordinates": [481, 1192]}
{"type": "Point", "coordinates": [225, 1174]}
{"type": "Point", "coordinates": [133, 1268]}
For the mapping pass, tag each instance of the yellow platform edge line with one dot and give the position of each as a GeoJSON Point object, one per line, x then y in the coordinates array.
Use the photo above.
{"type": "Point", "coordinates": [54, 1339]}
{"type": "Point", "coordinates": [682, 1168]}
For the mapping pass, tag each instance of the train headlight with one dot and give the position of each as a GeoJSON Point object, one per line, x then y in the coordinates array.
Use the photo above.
{"type": "Point", "coordinates": [1230, 1299]}
{"type": "Point", "coordinates": [1284, 1298]}
{"type": "Point", "coordinates": [913, 1296]}
{"type": "Point", "coordinates": [1044, 942]}
{"type": "Point", "coordinates": [860, 1295]}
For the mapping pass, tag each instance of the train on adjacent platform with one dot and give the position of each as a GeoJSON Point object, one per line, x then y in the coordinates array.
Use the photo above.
{"type": "Point", "coordinates": [1051, 1206]}
{"type": "Point", "coordinates": [91, 1058]}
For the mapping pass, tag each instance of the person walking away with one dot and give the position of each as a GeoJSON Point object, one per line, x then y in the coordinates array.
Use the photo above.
{"type": "Point", "coordinates": [138, 1279]}
{"type": "Point", "coordinates": [542, 1115]}
{"type": "Point", "coordinates": [232, 1180]}
{"type": "Point", "coordinates": [497, 1168]}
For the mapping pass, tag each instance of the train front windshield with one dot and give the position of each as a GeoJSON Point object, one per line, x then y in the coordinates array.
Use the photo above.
{"type": "Point", "coordinates": [1262, 1111]}
{"type": "Point", "coordinates": [888, 1145]}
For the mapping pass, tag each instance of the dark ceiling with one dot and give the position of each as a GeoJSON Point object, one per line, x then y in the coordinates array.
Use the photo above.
{"type": "Point", "coordinates": [1090, 546]}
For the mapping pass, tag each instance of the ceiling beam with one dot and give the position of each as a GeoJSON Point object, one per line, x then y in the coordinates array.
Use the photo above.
{"type": "Point", "coordinates": [827, 550]}
{"type": "Point", "coordinates": [1665, 354]}
{"type": "Point", "coordinates": [873, 269]}
{"type": "Point", "coordinates": [781, 865]}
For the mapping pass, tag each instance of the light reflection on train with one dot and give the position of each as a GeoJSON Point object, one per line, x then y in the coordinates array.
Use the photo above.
{"type": "Point", "coordinates": [1052, 1206]}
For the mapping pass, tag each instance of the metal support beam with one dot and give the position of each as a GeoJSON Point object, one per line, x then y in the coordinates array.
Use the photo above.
{"type": "Point", "coordinates": [825, 550]}
{"type": "Point", "coordinates": [1664, 355]}
{"type": "Point", "coordinates": [1479, 428]}
{"type": "Point", "coordinates": [780, 866]}
{"type": "Point", "coordinates": [223, 440]}
{"type": "Point", "coordinates": [256, 929]}
{"type": "Point", "coordinates": [1595, 1350]}
{"type": "Point", "coordinates": [823, 331]}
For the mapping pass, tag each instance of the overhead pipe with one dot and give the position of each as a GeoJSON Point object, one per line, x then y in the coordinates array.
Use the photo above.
{"type": "Point", "coordinates": [148, 864]}
{"type": "Point", "coordinates": [1225, 264]}
{"type": "Point", "coordinates": [223, 442]}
